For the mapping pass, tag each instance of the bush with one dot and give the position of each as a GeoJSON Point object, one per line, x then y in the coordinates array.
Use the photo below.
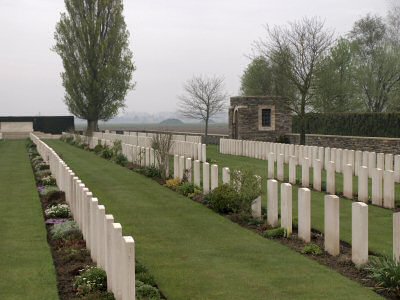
{"type": "Point", "coordinates": [248, 187]}
{"type": "Point", "coordinates": [187, 188]}
{"type": "Point", "coordinates": [120, 159]}
{"type": "Point", "coordinates": [68, 230]}
{"type": "Point", "coordinates": [224, 199]}
{"type": "Point", "coordinates": [312, 249]}
{"type": "Point", "coordinates": [43, 173]}
{"type": "Point", "coordinates": [42, 166]}
{"type": "Point", "coordinates": [90, 279]}
{"type": "Point", "coordinates": [106, 153]}
{"type": "Point", "coordinates": [151, 172]}
{"type": "Point", "coordinates": [98, 149]}
{"type": "Point", "coordinates": [48, 180]}
{"type": "Point", "coordinates": [48, 191]}
{"type": "Point", "coordinates": [385, 272]}
{"type": "Point", "coordinates": [140, 268]}
{"type": "Point", "coordinates": [173, 183]}
{"type": "Point", "coordinates": [147, 292]}
{"type": "Point", "coordinates": [146, 278]}
{"type": "Point", "coordinates": [58, 211]}
{"type": "Point", "coordinates": [275, 233]}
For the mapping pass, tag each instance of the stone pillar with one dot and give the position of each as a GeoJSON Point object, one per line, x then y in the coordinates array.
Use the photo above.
{"type": "Point", "coordinates": [357, 162]}
{"type": "Point", "coordinates": [128, 265]}
{"type": "Point", "coordinates": [176, 166]}
{"type": "Point", "coordinates": [108, 221]}
{"type": "Point", "coordinates": [338, 162]}
{"type": "Point", "coordinates": [214, 177]}
{"type": "Point", "coordinates": [350, 159]}
{"type": "Point", "coordinates": [101, 213]}
{"type": "Point", "coordinates": [304, 214]}
{"type": "Point", "coordinates": [348, 181]}
{"type": "Point", "coordinates": [272, 194]}
{"type": "Point", "coordinates": [365, 156]}
{"type": "Point", "coordinates": [396, 236]}
{"type": "Point", "coordinates": [196, 172]}
{"type": "Point", "coordinates": [377, 187]}
{"type": "Point", "coordinates": [271, 165]}
{"type": "Point", "coordinates": [359, 233]}
{"type": "Point", "coordinates": [147, 160]}
{"type": "Point", "coordinates": [327, 157]}
{"type": "Point", "coordinates": [388, 189]}
{"type": "Point", "coordinates": [331, 228]}
{"type": "Point", "coordinates": [206, 178]}
{"type": "Point", "coordinates": [199, 155]}
{"type": "Point", "coordinates": [380, 161]}
{"type": "Point", "coordinates": [189, 169]}
{"type": "Point", "coordinates": [256, 208]}
{"type": "Point", "coordinates": [116, 243]}
{"type": "Point", "coordinates": [389, 162]}
{"type": "Point", "coordinates": [292, 170]}
{"type": "Point", "coordinates": [226, 176]}
{"type": "Point", "coordinates": [331, 178]}
{"type": "Point", "coordinates": [204, 152]}
{"type": "Point", "coordinates": [286, 207]}
{"type": "Point", "coordinates": [181, 167]}
{"type": "Point", "coordinates": [397, 168]}
{"type": "Point", "coordinates": [305, 173]}
{"type": "Point", "coordinates": [317, 175]}
{"type": "Point", "coordinates": [363, 184]}
{"type": "Point", "coordinates": [280, 168]}
{"type": "Point", "coordinates": [371, 163]}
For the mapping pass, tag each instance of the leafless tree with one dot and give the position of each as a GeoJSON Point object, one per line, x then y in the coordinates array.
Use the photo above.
{"type": "Point", "coordinates": [295, 51]}
{"type": "Point", "coordinates": [162, 144]}
{"type": "Point", "coordinates": [202, 99]}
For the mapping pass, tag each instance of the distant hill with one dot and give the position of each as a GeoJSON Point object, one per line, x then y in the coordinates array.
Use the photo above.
{"type": "Point", "coordinates": [171, 122]}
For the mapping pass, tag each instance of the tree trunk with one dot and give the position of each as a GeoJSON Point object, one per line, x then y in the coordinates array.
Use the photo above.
{"type": "Point", "coordinates": [206, 132]}
{"type": "Point", "coordinates": [92, 126]}
{"type": "Point", "coordinates": [303, 120]}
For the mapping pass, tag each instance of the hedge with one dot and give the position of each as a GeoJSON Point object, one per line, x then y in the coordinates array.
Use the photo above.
{"type": "Point", "coordinates": [351, 124]}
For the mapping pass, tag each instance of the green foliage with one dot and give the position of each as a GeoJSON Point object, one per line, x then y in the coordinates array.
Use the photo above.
{"type": "Point", "coordinates": [42, 173]}
{"type": "Point", "coordinates": [116, 148]}
{"type": "Point", "coordinates": [48, 191]}
{"type": "Point", "coordinates": [48, 180]}
{"type": "Point", "coordinates": [247, 185]}
{"type": "Point", "coordinates": [275, 233]}
{"type": "Point", "coordinates": [173, 183]}
{"type": "Point", "coordinates": [187, 188]}
{"type": "Point", "coordinates": [151, 172]}
{"type": "Point", "coordinates": [147, 292]}
{"type": "Point", "coordinates": [224, 199]}
{"type": "Point", "coordinates": [385, 272]}
{"type": "Point", "coordinates": [106, 153]}
{"type": "Point", "coordinates": [68, 230]}
{"type": "Point", "coordinates": [257, 78]}
{"type": "Point", "coordinates": [282, 139]}
{"type": "Point", "coordinates": [98, 149]}
{"type": "Point", "coordinates": [120, 159]}
{"type": "Point", "coordinates": [351, 124]}
{"type": "Point", "coordinates": [140, 268]}
{"type": "Point", "coordinates": [146, 278]}
{"type": "Point", "coordinates": [58, 211]}
{"type": "Point", "coordinates": [312, 249]}
{"type": "Point", "coordinates": [90, 279]}
{"type": "Point", "coordinates": [97, 64]}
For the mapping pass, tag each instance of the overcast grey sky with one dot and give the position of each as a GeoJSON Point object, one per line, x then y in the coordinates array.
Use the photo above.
{"type": "Point", "coordinates": [171, 41]}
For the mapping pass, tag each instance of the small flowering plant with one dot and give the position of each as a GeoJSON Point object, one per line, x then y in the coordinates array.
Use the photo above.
{"type": "Point", "coordinates": [58, 211]}
{"type": "Point", "coordinates": [90, 279]}
{"type": "Point", "coordinates": [48, 180]}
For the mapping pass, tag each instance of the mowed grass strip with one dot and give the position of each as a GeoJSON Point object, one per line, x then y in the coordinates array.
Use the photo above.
{"type": "Point", "coordinates": [379, 219]}
{"type": "Point", "coordinates": [193, 252]}
{"type": "Point", "coordinates": [26, 265]}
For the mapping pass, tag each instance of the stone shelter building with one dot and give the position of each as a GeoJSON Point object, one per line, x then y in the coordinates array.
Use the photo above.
{"type": "Point", "coordinates": [263, 118]}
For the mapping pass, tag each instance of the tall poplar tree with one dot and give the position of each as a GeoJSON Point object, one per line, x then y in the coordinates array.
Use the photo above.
{"type": "Point", "coordinates": [92, 41]}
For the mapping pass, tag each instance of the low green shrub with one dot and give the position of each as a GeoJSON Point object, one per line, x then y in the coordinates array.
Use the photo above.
{"type": "Point", "coordinates": [188, 188]}
{"type": "Point", "coordinates": [58, 211]}
{"type": "Point", "coordinates": [106, 153]}
{"type": "Point", "coordinates": [43, 173]}
{"type": "Point", "coordinates": [120, 159]}
{"type": "Point", "coordinates": [275, 233]}
{"type": "Point", "coordinates": [146, 278]}
{"type": "Point", "coordinates": [48, 191]}
{"type": "Point", "coordinates": [173, 184]}
{"type": "Point", "coordinates": [385, 272]}
{"type": "Point", "coordinates": [91, 279]}
{"type": "Point", "coordinates": [147, 292]}
{"type": "Point", "coordinates": [312, 249]}
{"type": "Point", "coordinates": [68, 230]}
{"type": "Point", "coordinates": [42, 166]}
{"type": "Point", "coordinates": [151, 172]}
{"type": "Point", "coordinates": [48, 180]}
{"type": "Point", "coordinates": [140, 268]}
{"type": "Point", "coordinates": [224, 199]}
{"type": "Point", "coordinates": [98, 149]}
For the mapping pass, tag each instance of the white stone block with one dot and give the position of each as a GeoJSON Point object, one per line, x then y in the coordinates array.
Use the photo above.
{"type": "Point", "coordinates": [280, 167]}
{"type": "Point", "coordinates": [388, 189]}
{"type": "Point", "coordinates": [204, 152]}
{"type": "Point", "coordinates": [286, 207]}
{"type": "Point", "coordinates": [108, 221]}
{"type": "Point", "coordinates": [188, 169]}
{"type": "Point", "coordinates": [256, 208]}
{"type": "Point", "coordinates": [292, 170]}
{"type": "Point", "coordinates": [181, 167]}
{"type": "Point", "coordinates": [377, 187]}
{"type": "Point", "coordinates": [206, 178]}
{"type": "Point", "coordinates": [371, 163]}
{"type": "Point", "coordinates": [128, 265]}
{"type": "Point", "coordinates": [396, 236]}
{"type": "Point", "coordinates": [226, 176]}
{"type": "Point", "coordinates": [272, 194]}
{"type": "Point", "coordinates": [331, 178]}
{"type": "Point", "coordinates": [397, 168]}
{"type": "Point", "coordinates": [348, 181]}
{"type": "Point", "coordinates": [116, 242]}
{"type": "Point", "coordinates": [271, 165]}
{"type": "Point", "coordinates": [363, 184]}
{"type": "Point", "coordinates": [338, 161]}
{"type": "Point", "coordinates": [359, 233]}
{"type": "Point", "coordinates": [357, 162]}
{"type": "Point", "coordinates": [331, 228]}
{"type": "Point", "coordinates": [304, 214]}
{"type": "Point", "coordinates": [380, 161]}
{"type": "Point", "coordinates": [389, 162]}
{"type": "Point", "coordinates": [214, 177]}
{"type": "Point", "coordinates": [305, 173]}
{"type": "Point", "coordinates": [317, 175]}
{"type": "Point", "coordinates": [327, 157]}
{"type": "Point", "coordinates": [196, 172]}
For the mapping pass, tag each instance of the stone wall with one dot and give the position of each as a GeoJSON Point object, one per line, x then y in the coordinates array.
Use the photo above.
{"type": "Point", "coordinates": [248, 119]}
{"type": "Point", "coordinates": [375, 144]}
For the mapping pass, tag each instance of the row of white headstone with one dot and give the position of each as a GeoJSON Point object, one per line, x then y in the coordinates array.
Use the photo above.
{"type": "Point", "coordinates": [108, 248]}
{"type": "Point", "coordinates": [189, 149]}
{"type": "Point", "coordinates": [176, 137]}
{"type": "Point", "coordinates": [383, 183]}
{"type": "Point", "coordinates": [341, 157]}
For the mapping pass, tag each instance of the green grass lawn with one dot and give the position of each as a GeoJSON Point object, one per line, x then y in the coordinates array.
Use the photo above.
{"type": "Point", "coordinates": [26, 265]}
{"type": "Point", "coordinates": [195, 253]}
{"type": "Point", "coordinates": [380, 219]}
